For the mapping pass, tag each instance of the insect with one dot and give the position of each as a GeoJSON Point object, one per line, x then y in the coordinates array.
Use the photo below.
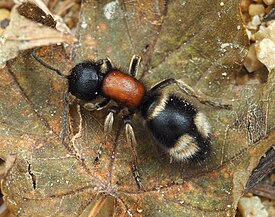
{"type": "Point", "coordinates": [177, 125]}
{"type": "Point", "coordinates": [174, 122]}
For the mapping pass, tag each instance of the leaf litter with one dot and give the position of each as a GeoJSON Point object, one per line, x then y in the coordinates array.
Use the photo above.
{"type": "Point", "coordinates": [64, 181]}
{"type": "Point", "coordinates": [19, 35]}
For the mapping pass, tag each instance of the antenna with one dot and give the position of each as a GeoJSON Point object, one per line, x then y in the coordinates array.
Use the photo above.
{"type": "Point", "coordinates": [38, 59]}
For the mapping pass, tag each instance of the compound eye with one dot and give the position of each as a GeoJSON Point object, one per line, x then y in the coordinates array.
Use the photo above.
{"type": "Point", "coordinates": [84, 81]}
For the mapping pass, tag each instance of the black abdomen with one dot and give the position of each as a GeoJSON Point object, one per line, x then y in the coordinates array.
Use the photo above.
{"type": "Point", "coordinates": [178, 126]}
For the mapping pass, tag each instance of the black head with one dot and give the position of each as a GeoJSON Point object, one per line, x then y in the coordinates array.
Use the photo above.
{"type": "Point", "coordinates": [85, 80]}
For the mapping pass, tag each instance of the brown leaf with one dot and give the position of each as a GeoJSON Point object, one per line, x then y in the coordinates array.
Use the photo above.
{"type": "Point", "coordinates": [201, 43]}
{"type": "Point", "coordinates": [22, 34]}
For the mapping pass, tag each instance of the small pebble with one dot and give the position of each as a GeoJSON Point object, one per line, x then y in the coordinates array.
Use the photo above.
{"type": "Point", "coordinates": [256, 9]}
{"type": "Point", "coordinates": [252, 207]}
{"type": "Point", "coordinates": [251, 61]}
{"type": "Point", "coordinates": [266, 53]}
{"type": "Point", "coordinates": [268, 32]}
{"type": "Point", "coordinates": [256, 20]}
{"type": "Point", "coordinates": [269, 2]}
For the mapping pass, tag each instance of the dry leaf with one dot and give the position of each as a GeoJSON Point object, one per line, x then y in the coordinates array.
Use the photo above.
{"type": "Point", "coordinates": [202, 43]}
{"type": "Point", "coordinates": [22, 34]}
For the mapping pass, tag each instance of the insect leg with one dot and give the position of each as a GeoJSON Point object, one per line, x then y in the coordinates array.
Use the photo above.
{"type": "Point", "coordinates": [134, 64]}
{"type": "Point", "coordinates": [98, 106]}
{"type": "Point", "coordinates": [131, 139]}
{"type": "Point", "coordinates": [189, 91]}
{"type": "Point", "coordinates": [108, 126]}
